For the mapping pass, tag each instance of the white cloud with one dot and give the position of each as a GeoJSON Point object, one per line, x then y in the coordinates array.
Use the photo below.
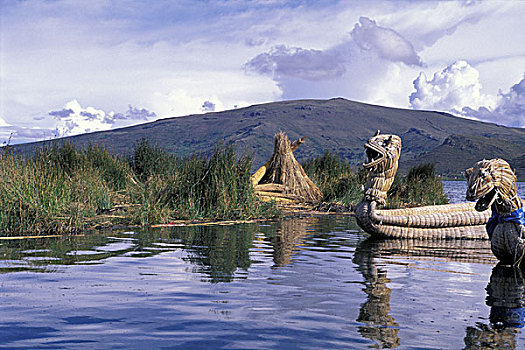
{"type": "Point", "coordinates": [451, 89]}
{"type": "Point", "coordinates": [510, 109]}
{"type": "Point", "coordinates": [386, 42]}
{"type": "Point", "coordinates": [3, 123]}
{"type": "Point", "coordinates": [359, 67]}
{"type": "Point", "coordinates": [513, 102]}
{"type": "Point", "coordinates": [73, 119]}
{"type": "Point", "coordinates": [457, 89]}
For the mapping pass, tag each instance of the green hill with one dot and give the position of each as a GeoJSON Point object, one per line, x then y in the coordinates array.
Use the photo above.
{"type": "Point", "coordinates": [337, 125]}
{"type": "Point", "coordinates": [459, 152]}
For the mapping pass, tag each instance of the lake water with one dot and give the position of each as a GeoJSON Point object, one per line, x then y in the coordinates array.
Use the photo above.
{"type": "Point", "coordinates": [304, 283]}
{"type": "Point", "coordinates": [456, 190]}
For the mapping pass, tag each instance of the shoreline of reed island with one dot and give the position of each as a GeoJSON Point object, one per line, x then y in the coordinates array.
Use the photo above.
{"type": "Point", "coordinates": [62, 189]}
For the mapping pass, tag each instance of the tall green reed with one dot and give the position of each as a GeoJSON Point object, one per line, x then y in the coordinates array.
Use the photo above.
{"type": "Point", "coordinates": [336, 178]}
{"type": "Point", "coordinates": [63, 188]}
{"type": "Point", "coordinates": [421, 186]}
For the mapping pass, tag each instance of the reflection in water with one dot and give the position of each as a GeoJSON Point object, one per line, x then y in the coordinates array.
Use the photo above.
{"type": "Point", "coordinates": [506, 298]}
{"type": "Point", "coordinates": [215, 251]}
{"type": "Point", "coordinates": [379, 325]}
{"type": "Point", "coordinates": [286, 237]}
{"type": "Point", "coordinates": [294, 280]}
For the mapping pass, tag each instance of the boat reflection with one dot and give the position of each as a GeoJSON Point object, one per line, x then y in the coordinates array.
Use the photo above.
{"type": "Point", "coordinates": [506, 298]}
{"type": "Point", "coordinates": [378, 324]}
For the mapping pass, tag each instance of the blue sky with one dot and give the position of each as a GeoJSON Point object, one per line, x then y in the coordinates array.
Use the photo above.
{"type": "Point", "coordinates": [74, 66]}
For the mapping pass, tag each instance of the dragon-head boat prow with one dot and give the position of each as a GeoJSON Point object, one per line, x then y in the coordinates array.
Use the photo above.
{"type": "Point", "coordinates": [431, 222]}
{"type": "Point", "coordinates": [493, 184]}
{"type": "Point", "coordinates": [382, 157]}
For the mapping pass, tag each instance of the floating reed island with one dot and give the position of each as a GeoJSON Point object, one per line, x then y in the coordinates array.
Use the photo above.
{"type": "Point", "coordinates": [64, 189]}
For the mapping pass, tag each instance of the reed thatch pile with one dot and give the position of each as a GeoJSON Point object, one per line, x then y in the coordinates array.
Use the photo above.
{"type": "Point", "coordinates": [282, 178]}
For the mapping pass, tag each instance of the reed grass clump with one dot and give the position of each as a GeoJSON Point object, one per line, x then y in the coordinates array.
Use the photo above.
{"type": "Point", "coordinates": [343, 185]}
{"type": "Point", "coordinates": [50, 193]}
{"type": "Point", "coordinates": [63, 189]}
{"type": "Point", "coordinates": [421, 186]}
{"type": "Point", "coordinates": [197, 187]}
{"type": "Point", "coordinates": [336, 179]}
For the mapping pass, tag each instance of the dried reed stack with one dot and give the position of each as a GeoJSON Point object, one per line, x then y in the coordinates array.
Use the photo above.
{"type": "Point", "coordinates": [282, 178]}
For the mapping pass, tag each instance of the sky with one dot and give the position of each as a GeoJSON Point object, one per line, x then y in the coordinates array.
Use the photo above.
{"type": "Point", "coordinates": [73, 66]}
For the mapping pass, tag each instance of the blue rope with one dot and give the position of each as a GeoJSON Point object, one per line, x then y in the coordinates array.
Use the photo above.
{"type": "Point", "coordinates": [517, 216]}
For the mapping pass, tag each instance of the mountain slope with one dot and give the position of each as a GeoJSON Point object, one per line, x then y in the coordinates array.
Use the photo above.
{"type": "Point", "coordinates": [337, 125]}
{"type": "Point", "coordinates": [459, 152]}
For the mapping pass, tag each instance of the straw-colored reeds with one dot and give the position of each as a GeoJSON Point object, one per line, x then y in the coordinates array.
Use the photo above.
{"type": "Point", "coordinates": [282, 178]}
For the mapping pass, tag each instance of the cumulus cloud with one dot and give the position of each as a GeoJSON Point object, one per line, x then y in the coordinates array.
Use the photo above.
{"type": "Point", "coordinates": [513, 102]}
{"type": "Point", "coordinates": [356, 67]}
{"type": "Point", "coordinates": [73, 119]}
{"type": "Point", "coordinates": [299, 63]}
{"type": "Point", "coordinates": [386, 42]}
{"type": "Point", "coordinates": [208, 106]}
{"type": "Point", "coordinates": [457, 89]}
{"type": "Point", "coordinates": [510, 108]}
{"type": "Point", "coordinates": [452, 89]}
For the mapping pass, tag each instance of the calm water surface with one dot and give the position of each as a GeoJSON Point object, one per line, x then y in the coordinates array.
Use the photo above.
{"type": "Point", "coordinates": [306, 283]}
{"type": "Point", "coordinates": [456, 190]}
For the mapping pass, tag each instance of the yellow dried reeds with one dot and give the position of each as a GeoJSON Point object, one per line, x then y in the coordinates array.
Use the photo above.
{"type": "Point", "coordinates": [283, 178]}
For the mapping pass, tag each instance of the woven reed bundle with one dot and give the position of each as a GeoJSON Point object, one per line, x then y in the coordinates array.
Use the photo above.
{"type": "Point", "coordinates": [372, 225]}
{"type": "Point", "coordinates": [508, 242]}
{"type": "Point", "coordinates": [282, 178]}
{"type": "Point", "coordinates": [458, 232]}
{"type": "Point", "coordinates": [493, 177]}
{"type": "Point", "coordinates": [432, 209]}
{"type": "Point", "coordinates": [492, 183]}
{"type": "Point", "coordinates": [434, 220]}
